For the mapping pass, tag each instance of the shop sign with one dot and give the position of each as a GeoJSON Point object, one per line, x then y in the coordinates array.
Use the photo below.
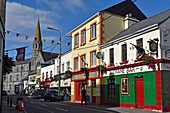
{"type": "Point", "coordinates": [153, 46]}
{"type": "Point", "coordinates": [93, 74]}
{"type": "Point", "coordinates": [79, 76]}
{"type": "Point", "coordinates": [123, 71]}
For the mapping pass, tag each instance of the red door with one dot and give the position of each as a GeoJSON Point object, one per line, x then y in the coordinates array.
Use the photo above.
{"type": "Point", "coordinates": [76, 91]}
{"type": "Point", "coordinates": [139, 93]}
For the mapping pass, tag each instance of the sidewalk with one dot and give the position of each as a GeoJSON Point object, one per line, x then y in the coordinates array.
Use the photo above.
{"type": "Point", "coordinates": [8, 109]}
{"type": "Point", "coordinates": [114, 109]}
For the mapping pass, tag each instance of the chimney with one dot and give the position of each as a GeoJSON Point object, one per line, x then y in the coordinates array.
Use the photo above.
{"type": "Point", "coordinates": [129, 20]}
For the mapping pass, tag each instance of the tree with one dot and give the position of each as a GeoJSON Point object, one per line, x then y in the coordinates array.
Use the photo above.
{"type": "Point", "coordinates": [7, 64]}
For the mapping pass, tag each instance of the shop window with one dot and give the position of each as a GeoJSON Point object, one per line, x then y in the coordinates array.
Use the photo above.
{"type": "Point", "coordinates": [124, 53]}
{"type": "Point", "coordinates": [124, 86]}
{"type": "Point", "coordinates": [111, 86]}
{"type": "Point", "coordinates": [111, 56]}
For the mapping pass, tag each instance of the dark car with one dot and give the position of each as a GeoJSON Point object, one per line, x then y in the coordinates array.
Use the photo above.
{"type": "Point", "coordinates": [51, 95]}
{"type": "Point", "coordinates": [4, 92]}
{"type": "Point", "coordinates": [38, 93]}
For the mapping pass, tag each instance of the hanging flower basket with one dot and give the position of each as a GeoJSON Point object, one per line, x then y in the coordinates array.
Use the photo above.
{"type": "Point", "coordinates": [84, 69]}
{"type": "Point", "coordinates": [149, 60]}
{"type": "Point", "coordinates": [56, 79]}
{"type": "Point", "coordinates": [68, 72]}
{"type": "Point", "coordinates": [101, 68]}
{"type": "Point", "coordinates": [64, 78]}
{"type": "Point", "coordinates": [51, 79]}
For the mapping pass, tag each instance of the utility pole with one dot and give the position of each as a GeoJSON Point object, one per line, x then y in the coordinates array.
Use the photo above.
{"type": "Point", "coordinates": [59, 76]}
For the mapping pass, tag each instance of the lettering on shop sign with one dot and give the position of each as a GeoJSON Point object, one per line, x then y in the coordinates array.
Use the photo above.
{"type": "Point", "coordinates": [124, 71]}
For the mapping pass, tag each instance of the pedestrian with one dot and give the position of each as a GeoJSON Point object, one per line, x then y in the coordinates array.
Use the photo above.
{"type": "Point", "coordinates": [83, 96]}
{"type": "Point", "coordinates": [27, 92]}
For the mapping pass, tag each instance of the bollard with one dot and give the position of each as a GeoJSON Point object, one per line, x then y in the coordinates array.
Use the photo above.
{"type": "Point", "coordinates": [8, 101]}
{"type": "Point", "coordinates": [11, 102]}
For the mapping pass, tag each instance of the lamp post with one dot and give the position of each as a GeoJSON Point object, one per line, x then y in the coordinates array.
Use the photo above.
{"type": "Point", "coordinates": [59, 76]}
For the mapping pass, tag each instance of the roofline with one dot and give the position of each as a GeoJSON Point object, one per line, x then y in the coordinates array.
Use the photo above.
{"type": "Point", "coordinates": [69, 33]}
{"type": "Point", "coordinates": [129, 36]}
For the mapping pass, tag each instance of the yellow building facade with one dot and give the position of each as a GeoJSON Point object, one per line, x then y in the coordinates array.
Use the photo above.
{"type": "Point", "coordinates": [86, 39]}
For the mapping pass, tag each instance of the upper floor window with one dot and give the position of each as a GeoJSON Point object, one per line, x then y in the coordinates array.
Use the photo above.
{"type": "Point", "coordinates": [10, 77]}
{"type": "Point", "coordinates": [46, 75]}
{"type": "Point", "coordinates": [76, 40]}
{"type": "Point", "coordinates": [63, 68]}
{"type": "Point", "coordinates": [42, 76]}
{"type": "Point", "coordinates": [17, 78]}
{"type": "Point", "coordinates": [10, 86]}
{"type": "Point", "coordinates": [83, 37]}
{"type": "Point", "coordinates": [57, 69]}
{"type": "Point", "coordinates": [111, 86]}
{"type": "Point", "coordinates": [17, 68]}
{"type": "Point", "coordinates": [76, 64]}
{"type": "Point", "coordinates": [83, 59]}
{"type": "Point", "coordinates": [93, 58]}
{"type": "Point", "coordinates": [139, 43]}
{"type": "Point", "coordinates": [68, 65]}
{"type": "Point", "coordinates": [50, 73]}
{"type": "Point", "coordinates": [25, 68]}
{"type": "Point", "coordinates": [25, 75]}
{"type": "Point", "coordinates": [111, 56]}
{"type": "Point", "coordinates": [93, 31]}
{"type": "Point", "coordinates": [124, 53]}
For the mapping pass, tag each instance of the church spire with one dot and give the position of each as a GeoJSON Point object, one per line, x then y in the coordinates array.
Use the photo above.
{"type": "Point", "coordinates": [37, 44]}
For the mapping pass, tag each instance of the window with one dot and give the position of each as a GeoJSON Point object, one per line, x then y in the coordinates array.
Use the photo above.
{"type": "Point", "coordinates": [76, 40]}
{"type": "Point", "coordinates": [111, 86]}
{"type": "Point", "coordinates": [25, 75]}
{"type": "Point", "coordinates": [111, 56]}
{"type": "Point", "coordinates": [93, 58]}
{"type": "Point", "coordinates": [17, 68]}
{"type": "Point", "coordinates": [82, 61]}
{"type": "Point", "coordinates": [93, 31]}
{"type": "Point", "coordinates": [68, 65]}
{"type": "Point", "coordinates": [42, 76]}
{"type": "Point", "coordinates": [17, 78]}
{"type": "Point", "coordinates": [10, 87]}
{"type": "Point", "coordinates": [46, 75]}
{"type": "Point", "coordinates": [10, 78]}
{"type": "Point", "coordinates": [124, 53]}
{"type": "Point", "coordinates": [63, 68]}
{"type": "Point", "coordinates": [124, 86]}
{"type": "Point", "coordinates": [139, 43]}
{"type": "Point", "coordinates": [50, 73]}
{"type": "Point", "coordinates": [57, 69]}
{"type": "Point", "coordinates": [4, 78]}
{"type": "Point", "coordinates": [76, 64]}
{"type": "Point", "coordinates": [25, 68]}
{"type": "Point", "coordinates": [83, 37]}
{"type": "Point", "coordinates": [3, 87]}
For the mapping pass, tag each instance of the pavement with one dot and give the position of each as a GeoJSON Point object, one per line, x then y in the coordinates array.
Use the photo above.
{"type": "Point", "coordinates": [7, 109]}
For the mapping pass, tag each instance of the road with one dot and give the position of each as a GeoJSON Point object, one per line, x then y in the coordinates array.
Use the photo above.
{"type": "Point", "coordinates": [41, 106]}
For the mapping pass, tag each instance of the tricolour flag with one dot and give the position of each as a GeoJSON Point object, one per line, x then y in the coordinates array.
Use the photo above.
{"type": "Point", "coordinates": [20, 54]}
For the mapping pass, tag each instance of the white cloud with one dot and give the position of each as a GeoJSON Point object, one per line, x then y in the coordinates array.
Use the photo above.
{"type": "Point", "coordinates": [21, 18]}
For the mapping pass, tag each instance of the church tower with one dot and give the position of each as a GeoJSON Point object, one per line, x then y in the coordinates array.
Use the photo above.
{"type": "Point", "coordinates": [37, 45]}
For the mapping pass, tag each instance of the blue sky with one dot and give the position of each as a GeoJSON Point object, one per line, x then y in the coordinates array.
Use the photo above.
{"type": "Point", "coordinates": [65, 15]}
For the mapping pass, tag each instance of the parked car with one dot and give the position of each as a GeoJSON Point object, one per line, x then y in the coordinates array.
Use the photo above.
{"type": "Point", "coordinates": [4, 92]}
{"type": "Point", "coordinates": [51, 95]}
{"type": "Point", "coordinates": [38, 93]}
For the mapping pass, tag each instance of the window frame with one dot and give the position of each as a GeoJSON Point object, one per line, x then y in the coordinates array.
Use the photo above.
{"type": "Point", "coordinates": [91, 58]}
{"type": "Point", "coordinates": [46, 74]}
{"type": "Point", "coordinates": [139, 44]}
{"type": "Point", "coordinates": [111, 59]}
{"type": "Point", "coordinates": [17, 77]}
{"type": "Point", "coordinates": [127, 93]}
{"type": "Point", "coordinates": [124, 53]}
{"type": "Point", "coordinates": [10, 78]}
{"type": "Point", "coordinates": [76, 46]}
{"type": "Point", "coordinates": [63, 67]}
{"type": "Point", "coordinates": [68, 67]}
{"type": "Point", "coordinates": [50, 73]}
{"type": "Point", "coordinates": [111, 88]}
{"type": "Point", "coordinates": [81, 62]}
{"type": "Point", "coordinates": [83, 43]}
{"type": "Point", "coordinates": [75, 63]}
{"type": "Point", "coordinates": [91, 31]}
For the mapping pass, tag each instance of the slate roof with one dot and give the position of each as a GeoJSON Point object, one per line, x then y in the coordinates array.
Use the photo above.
{"type": "Point", "coordinates": [157, 19]}
{"type": "Point", "coordinates": [48, 56]}
{"type": "Point", "coordinates": [126, 7]}
{"type": "Point", "coordinates": [22, 62]}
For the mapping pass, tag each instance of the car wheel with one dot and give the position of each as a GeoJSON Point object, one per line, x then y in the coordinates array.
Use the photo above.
{"type": "Point", "coordinates": [45, 99]}
{"type": "Point", "coordinates": [51, 99]}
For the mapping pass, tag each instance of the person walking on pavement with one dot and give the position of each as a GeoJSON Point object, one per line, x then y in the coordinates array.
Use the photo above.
{"type": "Point", "coordinates": [83, 96]}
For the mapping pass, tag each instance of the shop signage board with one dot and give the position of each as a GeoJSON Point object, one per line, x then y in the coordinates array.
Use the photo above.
{"type": "Point", "coordinates": [82, 76]}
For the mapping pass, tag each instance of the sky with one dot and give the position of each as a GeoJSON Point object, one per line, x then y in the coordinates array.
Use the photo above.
{"type": "Point", "coordinates": [64, 15]}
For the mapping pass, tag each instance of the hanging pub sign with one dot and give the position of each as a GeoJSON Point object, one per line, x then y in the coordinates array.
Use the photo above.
{"type": "Point", "coordinates": [153, 46]}
{"type": "Point", "coordinates": [99, 55]}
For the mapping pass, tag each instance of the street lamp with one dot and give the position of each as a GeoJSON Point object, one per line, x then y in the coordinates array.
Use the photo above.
{"type": "Point", "coordinates": [59, 76]}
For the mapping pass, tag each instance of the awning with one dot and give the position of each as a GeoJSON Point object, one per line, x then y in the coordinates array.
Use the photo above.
{"type": "Point", "coordinates": [63, 83]}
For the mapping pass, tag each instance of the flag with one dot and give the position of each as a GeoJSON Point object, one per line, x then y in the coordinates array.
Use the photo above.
{"type": "Point", "coordinates": [68, 43]}
{"type": "Point", "coordinates": [8, 32]}
{"type": "Point", "coordinates": [17, 34]}
{"type": "Point", "coordinates": [35, 38]}
{"type": "Point", "coordinates": [52, 41]}
{"type": "Point", "coordinates": [20, 54]}
{"type": "Point", "coordinates": [44, 40]}
{"type": "Point", "coordinates": [26, 37]}
{"type": "Point", "coordinates": [141, 51]}
{"type": "Point", "coordinates": [82, 60]}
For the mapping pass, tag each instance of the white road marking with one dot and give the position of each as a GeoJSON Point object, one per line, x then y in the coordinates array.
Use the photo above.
{"type": "Point", "coordinates": [41, 108]}
{"type": "Point", "coordinates": [42, 104]}
{"type": "Point", "coordinates": [62, 109]}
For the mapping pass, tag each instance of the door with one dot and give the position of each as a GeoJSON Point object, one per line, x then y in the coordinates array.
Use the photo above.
{"type": "Point", "coordinates": [93, 82]}
{"type": "Point", "coordinates": [139, 92]}
{"type": "Point", "coordinates": [78, 88]}
{"type": "Point", "coordinates": [76, 91]}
